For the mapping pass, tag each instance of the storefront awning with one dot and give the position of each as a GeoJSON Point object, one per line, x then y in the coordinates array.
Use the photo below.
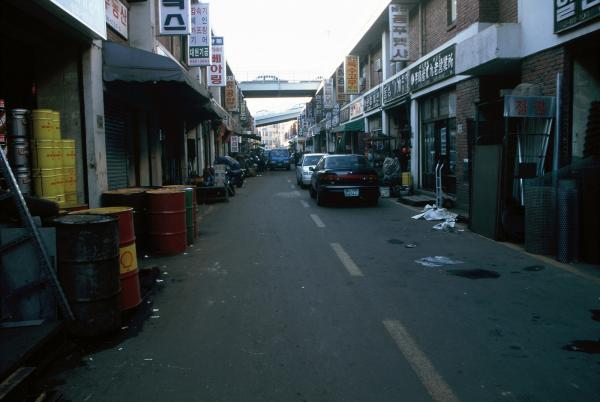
{"type": "Point", "coordinates": [124, 63]}
{"type": "Point", "coordinates": [356, 125]}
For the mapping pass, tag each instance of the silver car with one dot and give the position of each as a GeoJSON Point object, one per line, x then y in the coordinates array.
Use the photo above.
{"type": "Point", "coordinates": [303, 172]}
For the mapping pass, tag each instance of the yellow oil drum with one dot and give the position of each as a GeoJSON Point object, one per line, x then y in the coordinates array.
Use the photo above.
{"type": "Point", "coordinates": [42, 124]}
{"type": "Point", "coordinates": [60, 200]}
{"type": "Point", "coordinates": [70, 199]}
{"type": "Point", "coordinates": [56, 125]}
{"type": "Point", "coordinates": [57, 153]}
{"type": "Point", "coordinates": [45, 155]}
{"type": "Point", "coordinates": [70, 179]}
{"type": "Point", "coordinates": [48, 182]}
{"type": "Point", "coordinates": [68, 150]}
{"type": "Point", "coordinates": [406, 179]}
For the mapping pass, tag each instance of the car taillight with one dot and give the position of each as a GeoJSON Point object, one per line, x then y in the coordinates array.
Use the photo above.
{"type": "Point", "coordinates": [328, 177]}
{"type": "Point", "coordinates": [372, 177]}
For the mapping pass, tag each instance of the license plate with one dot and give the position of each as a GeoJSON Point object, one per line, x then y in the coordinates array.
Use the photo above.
{"type": "Point", "coordinates": [350, 192]}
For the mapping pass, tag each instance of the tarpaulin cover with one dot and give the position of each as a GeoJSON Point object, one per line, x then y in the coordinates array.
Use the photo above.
{"type": "Point", "coordinates": [124, 63]}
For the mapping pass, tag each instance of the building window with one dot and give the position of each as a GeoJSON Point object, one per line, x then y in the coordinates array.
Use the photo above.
{"type": "Point", "coordinates": [452, 12]}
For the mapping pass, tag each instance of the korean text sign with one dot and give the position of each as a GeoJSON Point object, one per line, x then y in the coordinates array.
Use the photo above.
{"type": "Point", "coordinates": [570, 13]}
{"type": "Point", "coordinates": [217, 70]}
{"type": "Point", "coordinates": [199, 40]}
{"type": "Point", "coordinates": [351, 65]}
{"type": "Point", "coordinates": [175, 17]}
{"type": "Point", "coordinates": [398, 15]}
{"type": "Point", "coordinates": [116, 16]}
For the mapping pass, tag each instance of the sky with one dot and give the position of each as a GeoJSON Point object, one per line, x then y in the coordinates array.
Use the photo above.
{"type": "Point", "coordinates": [292, 39]}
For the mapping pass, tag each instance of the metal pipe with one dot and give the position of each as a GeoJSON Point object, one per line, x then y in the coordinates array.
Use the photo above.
{"type": "Point", "coordinates": [556, 154]}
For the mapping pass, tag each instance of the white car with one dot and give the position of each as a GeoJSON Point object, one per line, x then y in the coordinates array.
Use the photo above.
{"type": "Point", "coordinates": [303, 172]}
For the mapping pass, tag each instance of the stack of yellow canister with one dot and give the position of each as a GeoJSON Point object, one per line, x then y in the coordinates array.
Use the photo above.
{"type": "Point", "coordinates": [53, 174]}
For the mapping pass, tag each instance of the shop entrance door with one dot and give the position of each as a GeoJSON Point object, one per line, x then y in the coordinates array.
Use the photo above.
{"type": "Point", "coordinates": [439, 144]}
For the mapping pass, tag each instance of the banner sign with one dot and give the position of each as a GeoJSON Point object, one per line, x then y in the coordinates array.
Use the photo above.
{"type": "Point", "coordinates": [436, 68]}
{"type": "Point", "coordinates": [356, 108]}
{"type": "Point", "coordinates": [339, 84]}
{"type": "Point", "coordinates": [344, 114]}
{"type": "Point", "coordinates": [234, 143]}
{"type": "Point", "coordinates": [116, 16]}
{"type": "Point", "coordinates": [398, 17]}
{"type": "Point", "coordinates": [372, 100]}
{"type": "Point", "coordinates": [328, 94]}
{"type": "Point", "coordinates": [231, 95]}
{"type": "Point", "coordinates": [243, 113]}
{"type": "Point", "coordinates": [570, 13]}
{"type": "Point", "coordinates": [318, 107]}
{"type": "Point", "coordinates": [396, 88]}
{"type": "Point", "coordinates": [529, 106]}
{"type": "Point", "coordinates": [351, 66]}
{"type": "Point", "coordinates": [199, 40]}
{"type": "Point", "coordinates": [218, 68]}
{"type": "Point", "coordinates": [175, 17]}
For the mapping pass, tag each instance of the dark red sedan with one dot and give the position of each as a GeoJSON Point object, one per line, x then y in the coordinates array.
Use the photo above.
{"type": "Point", "coordinates": [344, 177]}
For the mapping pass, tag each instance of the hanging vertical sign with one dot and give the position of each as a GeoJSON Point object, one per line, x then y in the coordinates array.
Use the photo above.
{"type": "Point", "coordinates": [175, 17]}
{"type": "Point", "coordinates": [234, 143]}
{"type": "Point", "coordinates": [328, 94]}
{"type": "Point", "coordinates": [217, 70]}
{"type": "Point", "coordinates": [116, 16]}
{"type": "Point", "coordinates": [243, 113]}
{"type": "Point", "coordinates": [199, 40]}
{"type": "Point", "coordinates": [351, 64]}
{"type": "Point", "coordinates": [231, 92]}
{"type": "Point", "coordinates": [398, 16]}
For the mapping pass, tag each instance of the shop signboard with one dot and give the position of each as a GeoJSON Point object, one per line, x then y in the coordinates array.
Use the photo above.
{"type": "Point", "coordinates": [175, 17]}
{"type": "Point", "coordinates": [234, 143]}
{"type": "Point", "coordinates": [396, 88]}
{"type": "Point", "coordinates": [218, 68]}
{"type": "Point", "coordinates": [339, 84]}
{"type": "Point", "coordinates": [570, 13]}
{"type": "Point", "coordinates": [529, 106]}
{"type": "Point", "coordinates": [328, 94]}
{"type": "Point", "coordinates": [90, 13]}
{"type": "Point", "coordinates": [243, 112]}
{"type": "Point", "coordinates": [436, 68]}
{"type": "Point", "coordinates": [398, 17]}
{"type": "Point", "coordinates": [351, 71]}
{"type": "Point", "coordinates": [318, 106]}
{"type": "Point", "coordinates": [356, 108]}
{"type": "Point", "coordinates": [199, 40]}
{"type": "Point", "coordinates": [372, 100]}
{"type": "Point", "coordinates": [231, 92]}
{"type": "Point", "coordinates": [116, 16]}
{"type": "Point", "coordinates": [344, 114]}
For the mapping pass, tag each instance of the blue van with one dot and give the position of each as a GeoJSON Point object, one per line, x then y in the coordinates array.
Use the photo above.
{"type": "Point", "coordinates": [279, 158]}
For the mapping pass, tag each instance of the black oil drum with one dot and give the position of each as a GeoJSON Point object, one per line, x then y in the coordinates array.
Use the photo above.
{"type": "Point", "coordinates": [88, 269]}
{"type": "Point", "coordinates": [136, 198]}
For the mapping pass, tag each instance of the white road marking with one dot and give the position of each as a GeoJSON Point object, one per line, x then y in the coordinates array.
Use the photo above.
{"type": "Point", "coordinates": [346, 260]}
{"type": "Point", "coordinates": [293, 187]}
{"type": "Point", "coordinates": [289, 181]}
{"type": "Point", "coordinates": [431, 379]}
{"type": "Point", "coordinates": [304, 204]}
{"type": "Point", "coordinates": [317, 220]}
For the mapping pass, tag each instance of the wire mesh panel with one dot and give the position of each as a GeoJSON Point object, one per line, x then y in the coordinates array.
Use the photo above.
{"type": "Point", "coordinates": [567, 221]}
{"type": "Point", "coordinates": [539, 219]}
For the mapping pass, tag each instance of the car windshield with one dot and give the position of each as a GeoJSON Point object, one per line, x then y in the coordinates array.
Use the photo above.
{"type": "Point", "coordinates": [350, 162]}
{"type": "Point", "coordinates": [279, 153]}
{"type": "Point", "coordinates": [311, 160]}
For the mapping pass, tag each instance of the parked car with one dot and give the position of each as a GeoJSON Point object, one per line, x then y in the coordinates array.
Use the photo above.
{"type": "Point", "coordinates": [344, 177]}
{"type": "Point", "coordinates": [279, 158]}
{"type": "Point", "coordinates": [303, 172]}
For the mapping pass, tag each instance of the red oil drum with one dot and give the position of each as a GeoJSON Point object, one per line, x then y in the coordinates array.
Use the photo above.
{"type": "Point", "coordinates": [128, 264]}
{"type": "Point", "coordinates": [166, 217]}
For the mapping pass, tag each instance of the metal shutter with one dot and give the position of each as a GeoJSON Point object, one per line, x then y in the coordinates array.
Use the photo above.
{"type": "Point", "coordinates": [116, 146]}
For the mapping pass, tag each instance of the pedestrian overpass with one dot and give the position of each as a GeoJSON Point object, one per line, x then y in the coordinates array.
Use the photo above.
{"type": "Point", "coordinates": [278, 117]}
{"type": "Point", "coordinates": [276, 88]}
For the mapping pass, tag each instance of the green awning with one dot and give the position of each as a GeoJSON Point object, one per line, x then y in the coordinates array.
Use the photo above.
{"type": "Point", "coordinates": [356, 125]}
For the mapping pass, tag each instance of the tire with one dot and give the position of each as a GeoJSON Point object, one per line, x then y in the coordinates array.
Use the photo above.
{"type": "Point", "coordinates": [320, 199]}
{"type": "Point", "coordinates": [373, 202]}
{"type": "Point", "coordinates": [312, 192]}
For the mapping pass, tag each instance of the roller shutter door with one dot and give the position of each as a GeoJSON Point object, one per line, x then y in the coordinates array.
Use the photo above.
{"type": "Point", "coordinates": [117, 149]}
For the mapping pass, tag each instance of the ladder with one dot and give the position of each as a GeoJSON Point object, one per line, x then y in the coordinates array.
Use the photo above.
{"type": "Point", "coordinates": [33, 234]}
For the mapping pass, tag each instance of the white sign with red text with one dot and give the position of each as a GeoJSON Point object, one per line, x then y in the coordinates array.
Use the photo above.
{"type": "Point", "coordinates": [116, 16]}
{"type": "Point", "coordinates": [218, 68]}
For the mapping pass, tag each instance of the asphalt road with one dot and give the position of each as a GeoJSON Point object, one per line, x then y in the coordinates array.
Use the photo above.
{"type": "Point", "coordinates": [281, 300]}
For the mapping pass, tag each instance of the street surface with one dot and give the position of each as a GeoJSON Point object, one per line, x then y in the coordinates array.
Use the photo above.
{"type": "Point", "coordinates": [281, 300]}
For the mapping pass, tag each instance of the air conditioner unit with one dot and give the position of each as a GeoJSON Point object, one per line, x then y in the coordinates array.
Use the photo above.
{"type": "Point", "coordinates": [377, 65]}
